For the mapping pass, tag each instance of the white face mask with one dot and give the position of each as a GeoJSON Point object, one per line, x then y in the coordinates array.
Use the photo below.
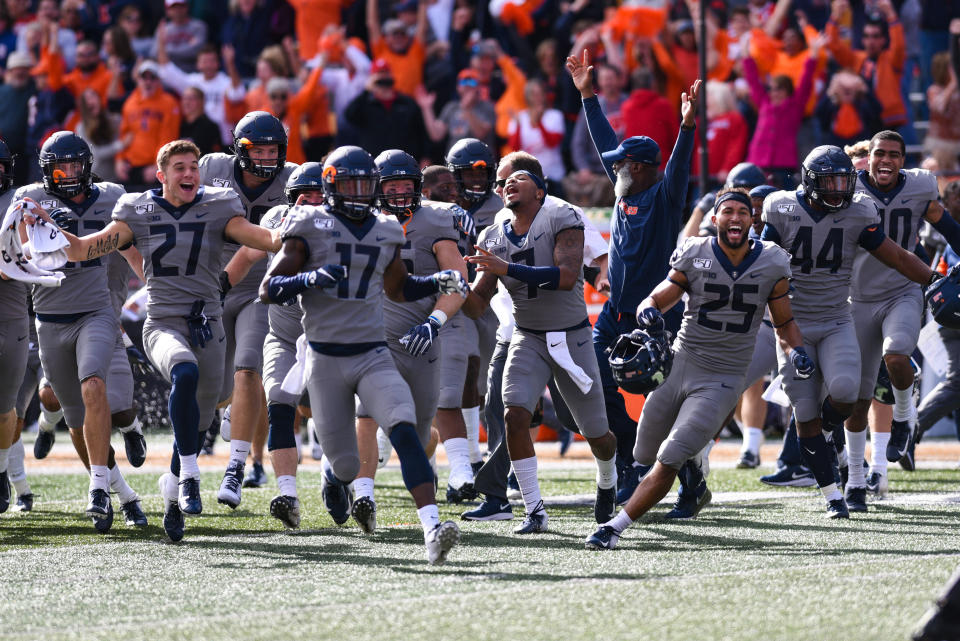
{"type": "Point", "coordinates": [624, 181]}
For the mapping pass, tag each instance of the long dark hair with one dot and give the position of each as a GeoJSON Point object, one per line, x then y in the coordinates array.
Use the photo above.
{"type": "Point", "coordinates": [97, 126]}
{"type": "Point", "coordinates": [121, 44]}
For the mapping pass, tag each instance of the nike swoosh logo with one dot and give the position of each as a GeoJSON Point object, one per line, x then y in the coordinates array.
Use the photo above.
{"type": "Point", "coordinates": [837, 220]}
{"type": "Point", "coordinates": [379, 238]}
{"type": "Point", "coordinates": [756, 274]}
{"type": "Point", "coordinates": [581, 344]}
{"type": "Point", "coordinates": [537, 237]}
{"type": "Point", "coordinates": [431, 360]}
{"type": "Point", "coordinates": [726, 386]}
{"type": "Point", "coordinates": [273, 200]}
{"type": "Point", "coordinates": [379, 349]}
{"type": "Point", "coordinates": [201, 214]}
{"type": "Point", "coordinates": [554, 344]}
{"type": "Point", "coordinates": [99, 211]}
{"type": "Point", "coordinates": [222, 338]}
{"type": "Point", "coordinates": [809, 451]}
{"type": "Point", "coordinates": [20, 338]}
{"type": "Point", "coordinates": [906, 200]}
{"type": "Point", "coordinates": [800, 475]}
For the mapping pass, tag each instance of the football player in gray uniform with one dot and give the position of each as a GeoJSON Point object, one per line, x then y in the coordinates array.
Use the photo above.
{"type": "Point", "coordinates": [822, 225]}
{"type": "Point", "coordinates": [729, 279]}
{"type": "Point", "coordinates": [14, 323]}
{"type": "Point", "coordinates": [537, 253]}
{"type": "Point", "coordinates": [341, 259]}
{"type": "Point", "coordinates": [258, 173]}
{"type": "Point", "coordinates": [77, 328]}
{"type": "Point", "coordinates": [431, 232]}
{"type": "Point", "coordinates": [180, 230]}
{"type": "Point", "coordinates": [888, 307]}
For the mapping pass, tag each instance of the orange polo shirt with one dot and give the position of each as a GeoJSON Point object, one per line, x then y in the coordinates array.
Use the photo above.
{"type": "Point", "coordinates": [154, 122]}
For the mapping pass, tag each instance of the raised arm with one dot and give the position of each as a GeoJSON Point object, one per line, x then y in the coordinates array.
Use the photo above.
{"type": "Point", "coordinates": [604, 138]}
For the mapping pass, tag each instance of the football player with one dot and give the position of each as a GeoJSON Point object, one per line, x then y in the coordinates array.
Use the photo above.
{"type": "Point", "coordinates": [180, 230]}
{"type": "Point", "coordinates": [537, 253]}
{"type": "Point", "coordinates": [887, 307]}
{"type": "Point", "coordinates": [341, 259]}
{"type": "Point", "coordinates": [729, 280]}
{"type": "Point", "coordinates": [822, 225]}
{"type": "Point", "coordinates": [258, 173]}
{"type": "Point", "coordinates": [431, 232]}
{"type": "Point", "coordinates": [78, 330]}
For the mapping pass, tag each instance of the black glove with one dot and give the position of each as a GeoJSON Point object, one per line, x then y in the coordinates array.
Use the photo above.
{"type": "Point", "coordinates": [225, 285]}
{"type": "Point", "coordinates": [198, 325]}
{"type": "Point", "coordinates": [418, 340]}
{"type": "Point", "coordinates": [139, 364]}
{"type": "Point", "coordinates": [61, 216]}
{"type": "Point", "coordinates": [802, 363]}
{"type": "Point", "coordinates": [650, 319]}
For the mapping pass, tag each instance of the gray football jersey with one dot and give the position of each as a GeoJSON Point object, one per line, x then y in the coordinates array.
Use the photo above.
{"type": "Point", "coordinates": [285, 320]}
{"type": "Point", "coordinates": [535, 308]}
{"type": "Point", "coordinates": [351, 312]}
{"type": "Point", "coordinates": [181, 247]}
{"type": "Point", "coordinates": [726, 302]}
{"type": "Point", "coordinates": [901, 216]}
{"type": "Point", "coordinates": [484, 214]}
{"type": "Point", "coordinates": [13, 293]}
{"type": "Point", "coordinates": [430, 224]}
{"type": "Point", "coordinates": [222, 170]}
{"type": "Point", "coordinates": [822, 247]}
{"type": "Point", "coordinates": [85, 287]}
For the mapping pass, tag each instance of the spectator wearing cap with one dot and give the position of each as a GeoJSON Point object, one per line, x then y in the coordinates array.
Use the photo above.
{"type": "Point", "coordinates": [15, 94]}
{"type": "Point", "coordinates": [644, 227]}
{"type": "Point", "coordinates": [404, 53]}
{"type": "Point", "coordinates": [589, 186]}
{"type": "Point", "coordinates": [183, 36]}
{"type": "Point", "coordinates": [881, 60]}
{"type": "Point", "coordinates": [196, 125]}
{"type": "Point", "coordinates": [469, 116]}
{"type": "Point", "coordinates": [382, 118]}
{"type": "Point", "coordinates": [539, 130]}
{"type": "Point", "coordinates": [646, 113]}
{"type": "Point", "coordinates": [153, 117]}
{"type": "Point", "coordinates": [217, 86]}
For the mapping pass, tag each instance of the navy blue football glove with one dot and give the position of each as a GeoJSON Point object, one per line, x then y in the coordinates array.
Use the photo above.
{"type": "Point", "coordinates": [450, 281]}
{"type": "Point", "coordinates": [326, 276]}
{"type": "Point", "coordinates": [199, 326]}
{"type": "Point", "coordinates": [61, 216]}
{"type": "Point", "coordinates": [420, 338]}
{"type": "Point", "coordinates": [650, 319]}
{"type": "Point", "coordinates": [802, 363]}
{"type": "Point", "coordinates": [139, 364]}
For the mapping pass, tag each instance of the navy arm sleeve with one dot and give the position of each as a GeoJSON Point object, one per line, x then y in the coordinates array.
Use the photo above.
{"type": "Point", "coordinates": [871, 237]}
{"type": "Point", "coordinates": [770, 233]}
{"type": "Point", "coordinates": [949, 229]}
{"type": "Point", "coordinates": [676, 176]}
{"type": "Point", "coordinates": [604, 138]}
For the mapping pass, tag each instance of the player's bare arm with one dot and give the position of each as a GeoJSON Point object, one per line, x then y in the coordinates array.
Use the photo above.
{"type": "Point", "coordinates": [243, 232]}
{"type": "Point", "coordinates": [668, 293]}
{"type": "Point", "coordinates": [895, 257]}
{"type": "Point", "coordinates": [448, 257]}
{"type": "Point", "coordinates": [781, 315]}
{"type": "Point", "coordinates": [241, 263]}
{"type": "Point", "coordinates": [109, 239]}
{"type": "Point", "coordinates": [568, 256]}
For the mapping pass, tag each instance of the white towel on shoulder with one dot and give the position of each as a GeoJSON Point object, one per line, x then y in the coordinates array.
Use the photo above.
{"type": "Point", "coordinates": [15, 264]}
{"type": "Point", "coordinates": [560, 353]}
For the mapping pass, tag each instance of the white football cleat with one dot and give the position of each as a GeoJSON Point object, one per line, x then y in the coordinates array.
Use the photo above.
{"type": "Point", "coordinates": [440, 540]}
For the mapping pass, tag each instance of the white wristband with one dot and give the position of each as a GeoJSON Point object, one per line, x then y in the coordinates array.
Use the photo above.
{"type": "Point", "coordinates": [439, 316]}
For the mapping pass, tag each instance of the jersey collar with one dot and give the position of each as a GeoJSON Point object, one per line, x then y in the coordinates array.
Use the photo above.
{"type": "Point", "coordinates": [883, 196]}
{"type": "Point", "coordinates": [176, 212]}
{"type": "Point", "coordinates": [251, 194]}
{"type": "Point", "coordinates": [807, 207]}
{"type": "Point", "coordinates": [81, 208]}
{"type": "Point", "coordinates": [737, 271]}
{"type": "Point", "coordinates": [359, 231]}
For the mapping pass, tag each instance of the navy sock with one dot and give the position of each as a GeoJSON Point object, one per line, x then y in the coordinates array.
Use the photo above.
{"type": "Point", "coordinates": [175, 461]}
{"type": "Point", "coordinates": [280, 418]}
{"type": "Point", "coordinates": [691, 478]}
{"type": "Point", "coordinates": [790, 454]}
{"type": "Point", "coordinates": [183, 408]}
{"type": "Point", "coordinates": [816, 456]}
{"type": "Point", "coordinates": [832, 419]}
{"type": "Point", "coordinates": [414, 464]}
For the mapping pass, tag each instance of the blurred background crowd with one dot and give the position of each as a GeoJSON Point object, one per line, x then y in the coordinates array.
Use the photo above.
{"type": "Point", "coordinates": [783, 77]}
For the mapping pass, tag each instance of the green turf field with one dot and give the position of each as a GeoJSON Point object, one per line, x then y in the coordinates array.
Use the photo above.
{"type": "Point", "coordinates": [750, 567]}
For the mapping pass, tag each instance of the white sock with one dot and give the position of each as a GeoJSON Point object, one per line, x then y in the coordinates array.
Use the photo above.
{"type": "Point", "coordinates": [239, 451]}
{"type": "Point", "coordinates": [133, 427]}
{"type": "Point", "coordinates": [526, 471]}
{"type": "Point", "coordinates": [99, 478]}
{"type": "Point", "coordinates": [607, 473]}
{"type": "Point", "coordinates": [48, 420]}
{"type": "Point", "coordinates": [620, 522]}
{"type": "Point", "coordinates": [902, 403]}
{"type": "Point", "coordinates": [752, 440]}
{"type": "Point", "coordinates": [119, 485]}
{"type": "Point", "coordinates": [433, 462]}
{"type": "Point", "coordinates": [168, 487]}
{"type": "Point", "coordinates": [4, 458]}
{"type": "Point", "coordinates": [459, 457]}
{"type": "Point", "coordinates": [471, 416]}
{"type": "Point", "coordinates": [878, 457]}
{"type": "Point", "coordinates": [429, 517]}
{"type": "Point", "coordinates": [830, 492]}
{"type": "Point", "coordinates": [288, 485]}
{"type": "Point", "coordinates": [16, 472]}
{"type": "Point", "coordinates": [188, 467]}
{"type": "Point", "coordinates": [856, 445]}
{"type": "Point", "coordinates": [363, 486]}
{"type": "Point", "coordinates": [225, 424]}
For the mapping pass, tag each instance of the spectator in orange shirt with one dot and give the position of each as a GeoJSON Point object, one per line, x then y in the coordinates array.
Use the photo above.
{"type": "Point", "coordinates": [404, 54]}
{"type": "Point", "coordinates": [880, 62]}
{"type": "Point", "coordinates": [313, 18]}
{"type": "Point", "coordinates": [153, 117]}
{"type": "Point", "coordinates": [646, 113]}
{"type": "Point", "coordinates": [90, 72]}
{"type": "Point", "coordinates": [271, 64]}
{"type": "Point", "coordinates": [292, 109]}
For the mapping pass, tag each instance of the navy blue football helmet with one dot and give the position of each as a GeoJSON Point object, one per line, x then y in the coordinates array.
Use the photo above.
{"type": "Point", "coordinates": [828, 178]}
{"type": "Point", "coordinates": [944, 299]}
{"type": "Point", "coordinates": [6, 161]}
{"type": "Point", "coordinates": [260, 128]}
{"type": "Point", "coordinates": [306, 177]}
{"type": "Point", "coordinates": [62, 148]}
{"type": "Point", "coordinates": [883, 391]}
{"type": "Point", "coordinates": [350, 182]}
{"type": "Point", "coordinates": [746, 175]}
{"type": "Point", "coordinates": [394, 164]}
{"type": "Point", "coordinates": [472, 153]}
{"type": "Point", "coordinates": [640, 362]}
